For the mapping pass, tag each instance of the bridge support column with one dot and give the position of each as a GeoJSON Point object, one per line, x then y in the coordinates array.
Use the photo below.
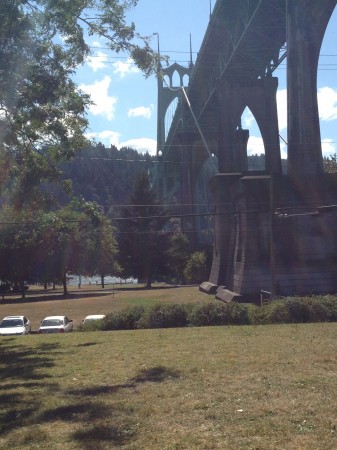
{"type": "Point", "coordinates": [306, 24]}
{"type": "Point", "coordinates": [187, 141]}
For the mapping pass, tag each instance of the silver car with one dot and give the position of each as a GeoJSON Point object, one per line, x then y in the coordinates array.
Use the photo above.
{"type": "Point", "coordinates": [12, 325]}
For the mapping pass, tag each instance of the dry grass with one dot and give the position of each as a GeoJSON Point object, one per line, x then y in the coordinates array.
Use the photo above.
{"type": "Point", "coordinates": [93, 300]}
{"type": "Point", "coordinates": [265, 387]}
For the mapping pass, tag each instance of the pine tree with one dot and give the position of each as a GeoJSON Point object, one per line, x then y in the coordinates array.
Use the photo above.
{"type": "Point", "coordinates": [141, 236]}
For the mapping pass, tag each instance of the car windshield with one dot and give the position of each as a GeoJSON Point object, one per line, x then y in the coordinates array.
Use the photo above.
{"type": "Point", "coordinates": [8, 323]}
{"type": "Point", "coordinates": [52, 323]}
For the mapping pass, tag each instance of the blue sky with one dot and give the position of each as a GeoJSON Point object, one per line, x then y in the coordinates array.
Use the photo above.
{"type": "Point", "coordinates": [125, 110]}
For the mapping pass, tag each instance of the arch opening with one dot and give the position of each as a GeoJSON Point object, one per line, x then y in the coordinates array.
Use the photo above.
{"type": "Point", "coordinates": [169, 115]}
{"type": "Point", "coordinates": [255, 151]}
{"type": "Point", "coordinates": [186, 80]}
{"type": "Point", "coordinates": [176, 79]}
{"type": "Point", "coordinates": [327, 90]}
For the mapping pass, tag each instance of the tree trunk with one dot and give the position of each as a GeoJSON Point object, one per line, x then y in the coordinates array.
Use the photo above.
{"type": "Point", "coordinates": [64, 284]}
{"type": "Point", "coordinates": [148, 283]}
{"type": "Point", "coordinates": [102, 281]}
{"type": "Point", "coordinates": [23, 292]}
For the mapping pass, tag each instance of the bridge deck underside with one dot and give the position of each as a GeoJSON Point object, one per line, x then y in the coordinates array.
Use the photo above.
{"type": "Point", "coordinates": [243, 41]}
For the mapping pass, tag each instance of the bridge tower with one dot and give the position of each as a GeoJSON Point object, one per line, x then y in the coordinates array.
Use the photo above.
{"type": "Point", "coordinates": [270, 230]}
{"type": "Point", "coordinates": [170, 82]}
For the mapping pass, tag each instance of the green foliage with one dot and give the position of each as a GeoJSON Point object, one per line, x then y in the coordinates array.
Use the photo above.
{"type": "Point", "coordinates": [165, 316]}
{"type": "Point", "coordinates": [218, 314]}
{"type": "Point", "coordinates": [123, 320]}
{"type": "Point", "coordinates": [330, 163]}
{"type": "Point", "coordinates": [296, 310]}
{"type": "Point", "coordinates": [106, 175]}
{"type": "Point", "coordinates": [196, 268]}
{"type": "Point", "coordinates": [46, 246]}
{"type": "Point", "coordinates": [92, 325]}
{"type": "Point", "coordinates": [177, 256]}
{"type": "Point", "coordinates": [273, 312]}
{"type": "Point", "coordinates": [42, 42]}
{"type": "Point", "coordinates": [291, 310]}
{"type": "Point", "coordinates": [141, 241]}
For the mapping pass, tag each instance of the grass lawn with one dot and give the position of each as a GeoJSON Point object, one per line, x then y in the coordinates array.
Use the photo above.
{"type": "Point", "coordinates": [257, 387]}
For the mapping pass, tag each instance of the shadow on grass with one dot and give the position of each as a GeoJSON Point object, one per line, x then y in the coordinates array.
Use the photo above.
{"type": "Point", "coordinates": [124, 429]}
{"type": "Point", "coordinates": [22, 363]}
{"type": "Point", "coordinates": [155, 375]}
{"type": "Point", "coordinates": [21, 370]}
{"type": "Point", "coordinates": [93, 418]}
{"type": "Point", "coordinates": [44, 297]}
{"type": "Point", "coordinates": [98, 424]}
{"type": "Point", "coordinates": [87, 344]}
{"type": "Point", "coordinates": [97, 436]}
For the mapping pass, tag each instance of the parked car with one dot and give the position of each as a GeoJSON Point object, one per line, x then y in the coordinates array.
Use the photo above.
{"type": "Point", "coordinates": [15, 325]}
{"type": "Point", "coordinates": [56, 324]}
{"type": "Point", "coordinates": [93, 317]}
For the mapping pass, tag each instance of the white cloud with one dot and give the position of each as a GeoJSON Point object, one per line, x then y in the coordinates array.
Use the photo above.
{"type": "Point", "coordinates": [141, 111]}
{"type": "Point", "coordinates": [105, 137]}
{"type": "Point", "coordinates": [281, 98]}
{"type": "Point", "coordinates": [125, 68]}
{"type": "Point", "coordinates": [255, 145]}
{"type": "Point", "coordinates": [247, 119]}
{"type": "Point", "coordinates": [328, 147]}
{"type": "Point", "coordinates": [97, 61]}
{"type": "Point", "coordinates": [284, 150]}
{"type": "Point", "coordinates": [142, 145]}
{"type": "Point", "coordinates": [327, 103]}
{"type": "Point", "coordinates": [104, 104]}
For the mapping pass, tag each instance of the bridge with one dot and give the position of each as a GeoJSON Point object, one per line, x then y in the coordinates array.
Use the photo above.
{"type": "Point", "coordinates": [272, 230]}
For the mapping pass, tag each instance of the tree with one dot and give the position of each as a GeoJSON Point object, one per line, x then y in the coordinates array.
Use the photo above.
{"type": "Point", "coordinates": [196, 268]}
{"type": "Point", "coordinates": [19, 241]}
{"type": "Point", "coordinates": [43, 121]}
{"type": "Point", "coordinates": [102, 245]}
{"type": "Point", "coordinates": [141, 239]}
{"type": "Point", "coordinates": [177, 255]}
{"type": "Point", "coordinates": [330, 163]}
{"type": "Point", "coordinates": [78, 239]}
{"type": "Point", "coordinates": [41, 44]}
{"type": "Point", "coordinates": [47, 246]}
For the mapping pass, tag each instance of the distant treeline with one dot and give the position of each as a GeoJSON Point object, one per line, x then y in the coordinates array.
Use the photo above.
{"type": "Point", "coordinates": [106, 175]}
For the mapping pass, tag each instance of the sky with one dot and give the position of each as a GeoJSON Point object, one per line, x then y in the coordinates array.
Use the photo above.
{"type": "Point", "coordinates": [125, 109]}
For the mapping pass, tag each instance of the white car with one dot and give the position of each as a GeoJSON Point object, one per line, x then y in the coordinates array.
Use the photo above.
{"type": "Point", "coordinates": [93, 317]}
{"type": "Point", "coordinates": [14, 325]}
{"type": "Point", "coordinates": [56, 324]}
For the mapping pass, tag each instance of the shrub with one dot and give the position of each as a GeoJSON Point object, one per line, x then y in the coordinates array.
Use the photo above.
{"type": "Point", "coordinates": [92, 325]}
{"type": "Point", "coordinates": [218, 314]}
{"type": "Point", "coordinates": [289, 310]}
{"type": "Point", "coordinates": [165, 316]}
{"type": "Point", "coordinates": [295, 310]}
{"type": "Point", "coordinates": [272, 312]}
{"type": "Point", "coordinates": [123, 320]}
{"type": "Point", "coordinates": [326, 306]}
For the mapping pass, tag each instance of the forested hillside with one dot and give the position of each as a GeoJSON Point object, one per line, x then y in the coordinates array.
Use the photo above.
{"type": "Point", "coordinates": [106, 175]}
